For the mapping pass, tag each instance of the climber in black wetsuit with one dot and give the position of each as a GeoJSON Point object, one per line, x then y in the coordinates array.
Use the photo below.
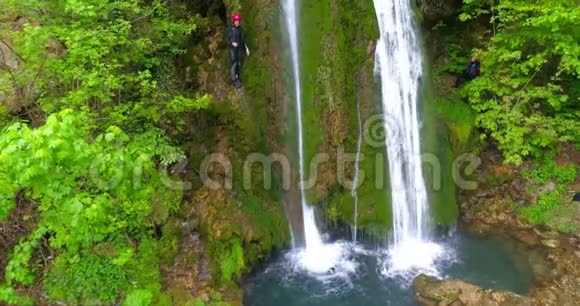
{"type": "Point", "coordinates": [237, 44]}
{"type": "Point", "coordinates": [470, 72]}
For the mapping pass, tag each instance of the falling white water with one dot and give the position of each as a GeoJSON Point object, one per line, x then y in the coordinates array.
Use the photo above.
{"type": "Point", "coordinates": [399, 63]}
{"type": "Point", "coordinates": [355, 186]}
{"type": "Point", "coordinates": [312, 236]}
{"type": "Point", "coordinates": [316, 256]}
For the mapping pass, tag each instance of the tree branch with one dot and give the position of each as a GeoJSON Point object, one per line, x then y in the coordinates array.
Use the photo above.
{"type": "Point", "coordinates": [7, 68]}
{"type": "Point", "coordinates": [149, 13]}
{"type": "Point", "coordinates": [12, 50]}
{"type": "Point", "coordinates": [525, 86]}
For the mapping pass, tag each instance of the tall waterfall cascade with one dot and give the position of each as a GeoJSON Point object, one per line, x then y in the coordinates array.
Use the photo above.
{"type": "Point", "coordinates": [312, 236]}
{"type": "Point", "coordinates": [315, 256]}
{"type": "Point", "coordinates": [399, 65]}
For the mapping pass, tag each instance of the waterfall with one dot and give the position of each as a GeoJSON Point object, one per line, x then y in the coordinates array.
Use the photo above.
{"type": "Point", "coordinates": [316, 256]}
{"type": "Point", "coordinates": [354, 189]}
{"type": "Point", "coordinates": [311, 235]}
{"type": "Point", "coordinates": [399, 65]}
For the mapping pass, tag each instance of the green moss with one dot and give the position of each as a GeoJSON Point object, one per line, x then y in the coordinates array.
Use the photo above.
{"type": "Point", "coordinates": [314, 31]}
{"type": "Point", "coordinates": [438, 168]}
{"type": "Point", "coordinates": [334, 55]}
{"type": "Point", "coordinates": [246, 117]}
{"type": "Point", "coordinates": [183, 297]}
{"type": "Point", "coordinates": [169, 242]}
{"type": "Point", "coordinates": [459, 119]}
{"type": "Point", "coordinates": [241, 228]}
{"type": "Point", "coordinates": [231, 259]}
{"type": "Point", "coordinates": [443, 201]}
{"type": "Point", "coordinates": [269, 227]}
{"type": "Point", "coordinates": [257, 72]}
{"type": "Point", "coordinates": [145, 270]}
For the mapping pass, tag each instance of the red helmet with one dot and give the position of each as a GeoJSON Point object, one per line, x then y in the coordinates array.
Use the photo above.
{"type": "Point", "coordinates": [236, 17]}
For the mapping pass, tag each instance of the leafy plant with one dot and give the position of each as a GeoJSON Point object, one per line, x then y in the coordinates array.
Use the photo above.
{"type": "Point", "coordinates": [109, 57]}
{"type": "Point", "coordinates": [95, 198]}
{"type": "Point", "coordinates": [546, 170]}
{"type": "Point", "coordinates": [539, 213]}
{"type": "Point", "coordinates": [138, 297]}
{"type": "Point", "coordinates": [103, 74]}
{"type": "Point", "coordinates": [528, 66]}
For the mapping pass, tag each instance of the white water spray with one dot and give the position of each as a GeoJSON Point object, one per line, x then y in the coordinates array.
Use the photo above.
{"type": "Point", "coordinates": [399, 63]}
{"type": "Point", "coordinates": [316, 256]}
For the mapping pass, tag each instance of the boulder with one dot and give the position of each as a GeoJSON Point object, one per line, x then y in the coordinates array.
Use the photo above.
{"type": "Point", "coordinates": [550, 186]}
{"type": "Point", "coordinates": [546, 234]}
{"type": "Point", "coordinates": [527, 237]}
{"type": "Point", "coordinates": [431, 291]}
{"type": "Point", "coordinates": [550, 243]}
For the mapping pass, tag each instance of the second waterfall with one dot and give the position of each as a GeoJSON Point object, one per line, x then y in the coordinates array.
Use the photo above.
{"type": "Point", "coordinates": [399, 66]}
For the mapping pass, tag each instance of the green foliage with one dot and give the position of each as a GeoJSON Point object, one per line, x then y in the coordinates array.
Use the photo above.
{"type": "Point", "coordinates": [550, 203]}
{"type": "Point", "coordinates": [107, 56]}
{"type": "Point", "coordinates": [546, 170]}
{"type": "Point", "coordinates": [144, 273]}
{"type": "Point", "coordinates": [333, 214]}
{"type": "Point", "coordinates": [86, 279]}
{"type": "Point", "coordinates": [95, 198]}
{"type": "Point", "coordinates": [9, 296]}
{"type": "Point", "coordinates": [523, 98]}
{"type": "Point", "coordinates": [455, 49]}
{"type": "Point", "coordinates": [4, 116]}
{"type": "Point", "coordinates": [539, 213]}
{"type": "Point", "coordinates": [104, 73]}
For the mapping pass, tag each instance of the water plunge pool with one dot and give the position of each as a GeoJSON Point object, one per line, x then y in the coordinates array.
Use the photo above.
{"type": "Point", "coordinates": [363, 278]}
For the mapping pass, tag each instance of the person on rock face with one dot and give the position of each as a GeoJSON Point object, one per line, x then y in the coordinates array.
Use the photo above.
{"type": "Point", "coordinates": [235, 39]}
{"type": "Point", "coordinates": [470, 72]}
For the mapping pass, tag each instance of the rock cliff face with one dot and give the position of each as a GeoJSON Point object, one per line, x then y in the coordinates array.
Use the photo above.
{"type": "Point", "coordinates": [337, 72]}
{"type": "Point", "coordinates": [435, 10]}
{"type": "Point", "coordinates": [223, 230]}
